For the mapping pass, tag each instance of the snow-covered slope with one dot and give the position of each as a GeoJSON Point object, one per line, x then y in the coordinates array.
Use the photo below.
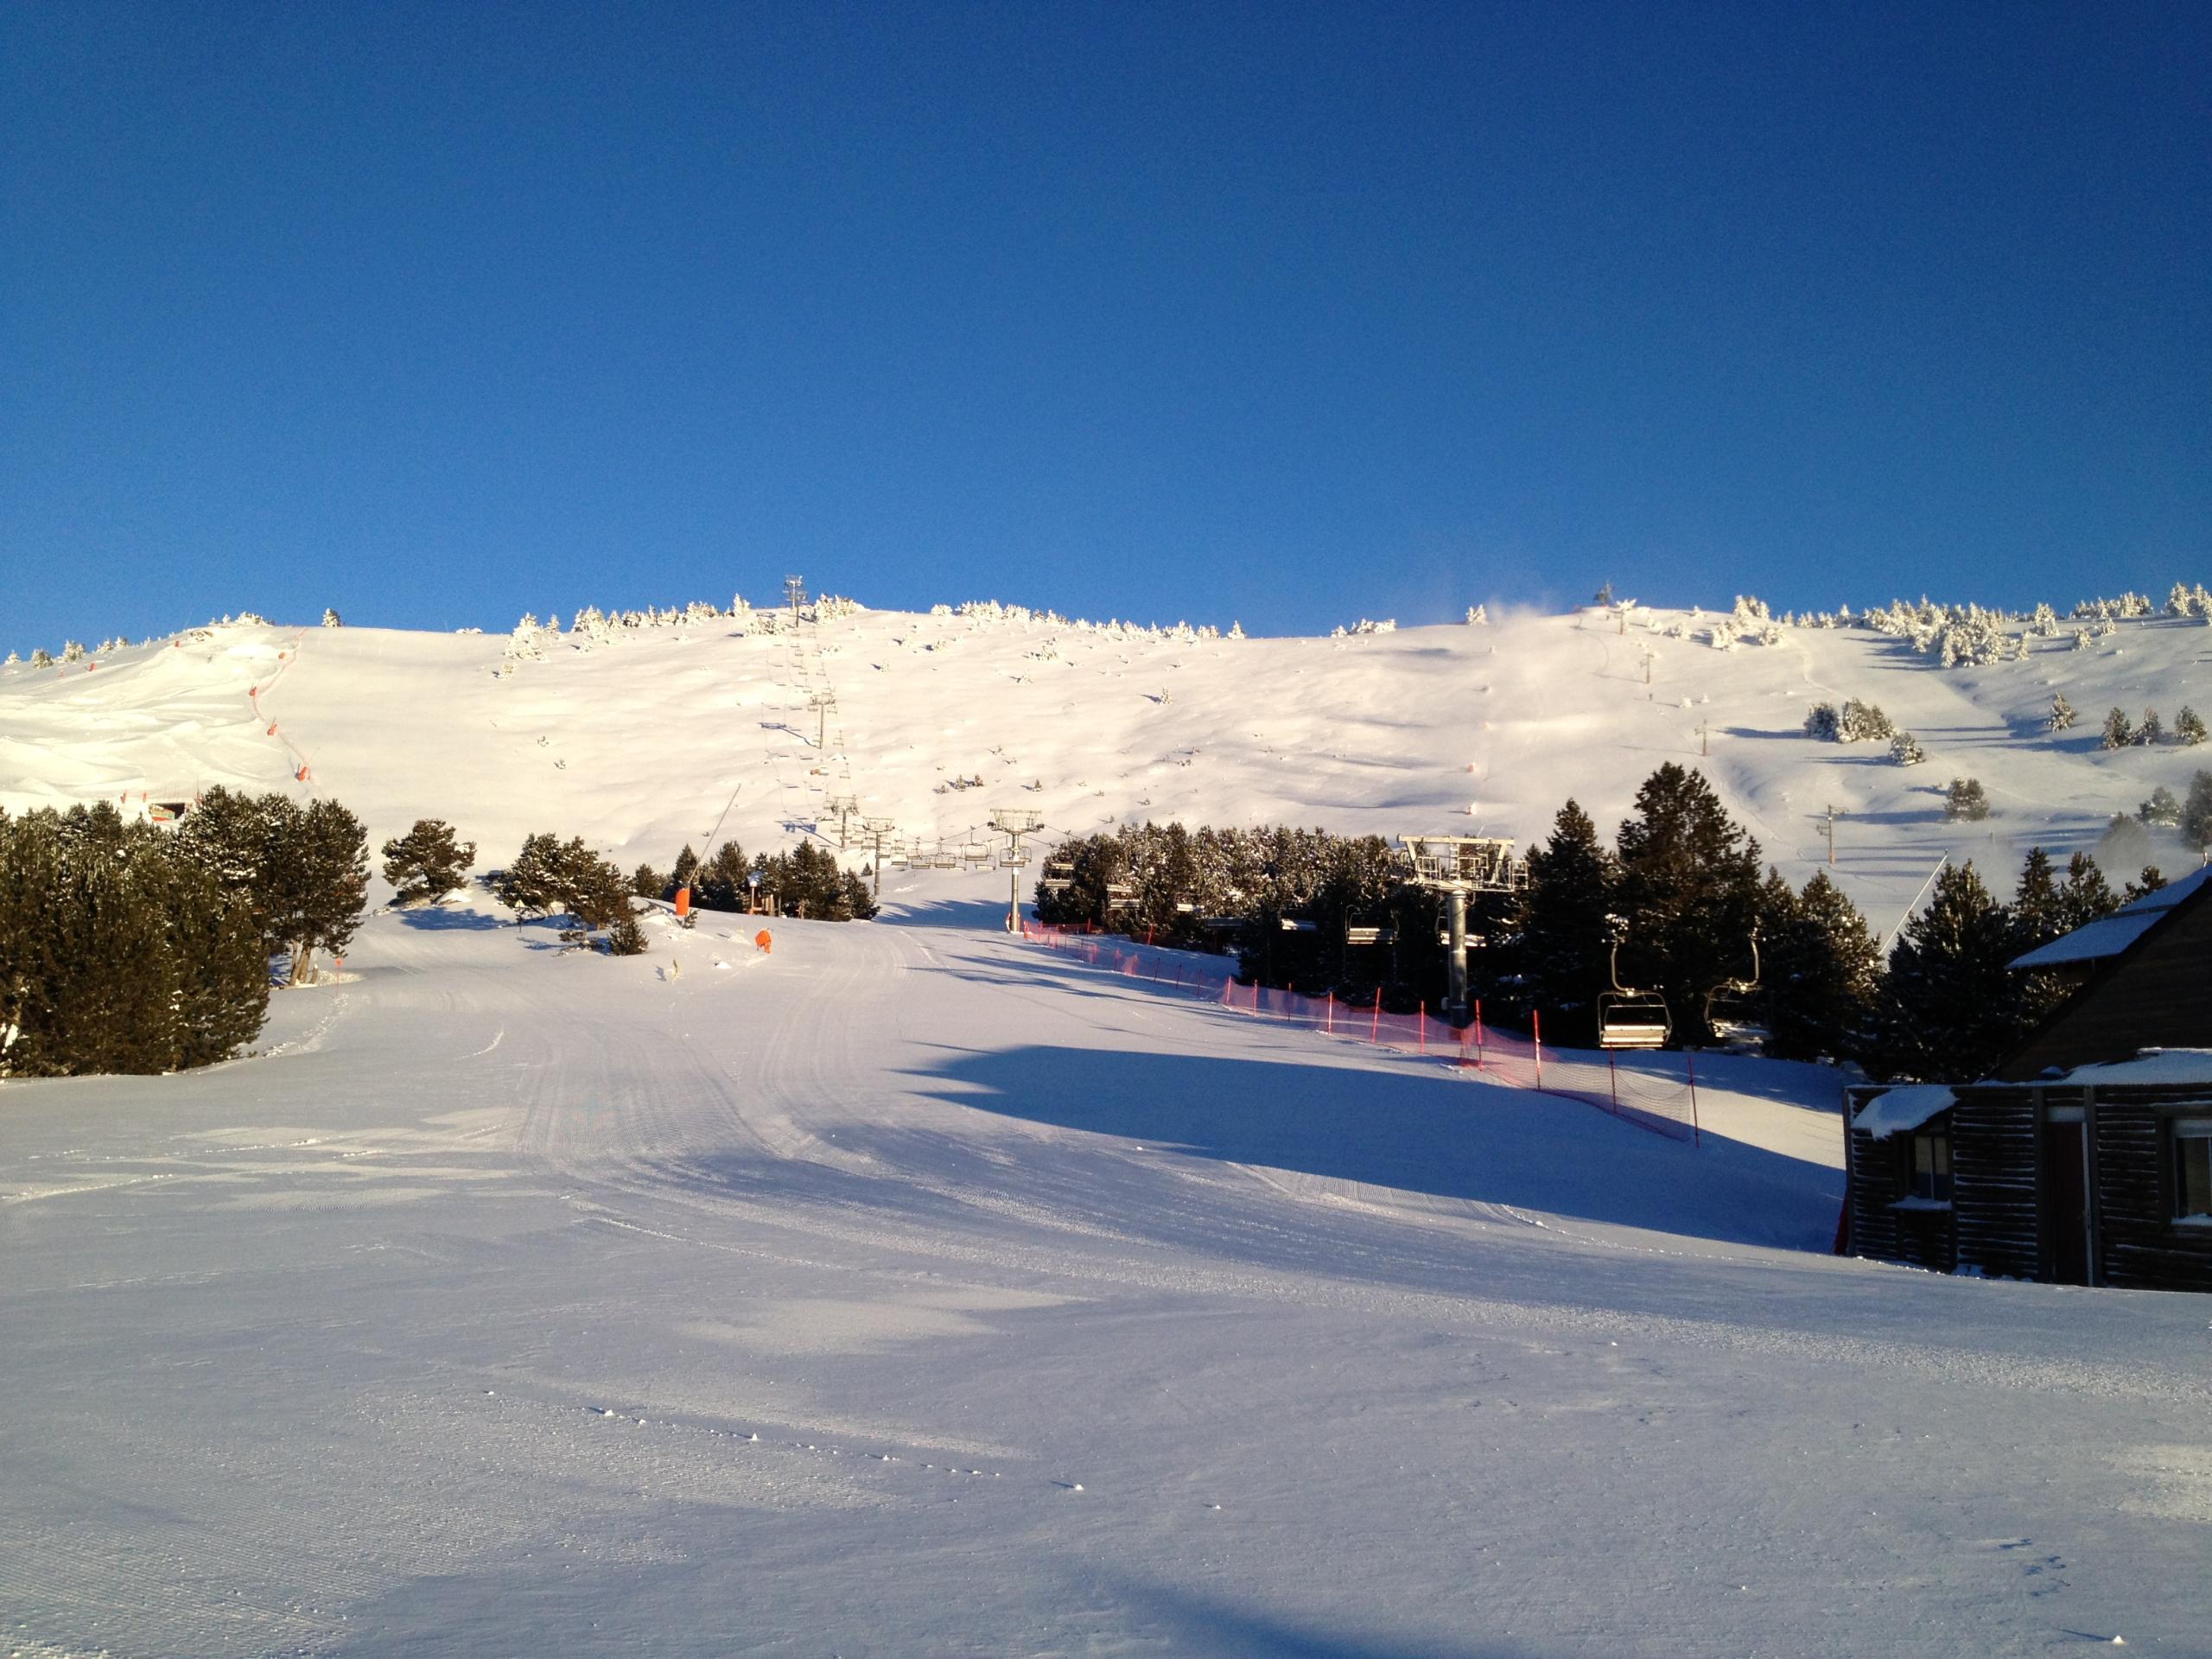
{"type": "Point", "coordinates": [637, 742]}
{"type": "Point", "coordinates": [914, 1290]}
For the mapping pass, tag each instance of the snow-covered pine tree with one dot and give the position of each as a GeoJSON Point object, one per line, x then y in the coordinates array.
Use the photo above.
{"type": "Point", "coordinates": [2151, 733]}
{"type": "Point", "coordinates": [1864, 721]}
{"type": "Point", "coordinates": [1905, 750]}
{"type": "Point", "coordinates": [1966, 799]}
{"type": "Point", "coordinates": [1821, 723]}
{"type": "Point", "coordinates": [41, 657]}
{"type": "Point", "coordinates": [2118, 734]}
{"type": "Point", "coordinates": [2188, 727]}
{"type": "Point", "coordinates": [2163, 809]}
{"type": "Point", "coordinates": [330, 617]}
{"type": "Point", "coordinates": [426, 864]}
{"type": "Point", "coordinates": [2061, 715]}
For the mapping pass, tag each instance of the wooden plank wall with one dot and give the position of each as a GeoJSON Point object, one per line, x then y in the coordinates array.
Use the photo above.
{"type": "Point", "coordinates": [2139, 1245]}
{"type": "Point", "coordinates": [1918, 1238]}
{"type": "Point", "coordinates": [1993, 1168]}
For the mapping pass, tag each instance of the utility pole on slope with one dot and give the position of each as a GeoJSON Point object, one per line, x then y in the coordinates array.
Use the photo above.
{"type": "Point", "coordinates": [1828, 828]}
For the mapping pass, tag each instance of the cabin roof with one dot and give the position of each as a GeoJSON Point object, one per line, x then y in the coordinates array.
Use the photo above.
{"type": "Point", "coordinates": [2099, 940]}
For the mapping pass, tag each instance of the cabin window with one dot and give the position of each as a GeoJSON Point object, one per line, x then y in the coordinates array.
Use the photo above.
{"type": "Point", "coordinates": [1931, 1167]}
{"type": "Point", "coordinates": [2193, 1169]}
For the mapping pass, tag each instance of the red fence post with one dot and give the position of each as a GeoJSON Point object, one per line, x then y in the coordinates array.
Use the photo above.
{"type": "Point", "coordinates": [1479, 1033]}
{"type": "Point", "coordinates": [1375, 1025]}
{"type": "Point", "coordinates": [1332, 1026]}
{"type": "Point", "coordinates": [1690, 1059]}
{"type": "Point", "coordinates": [1536, 1027]}
{"type": "Point", "coordinates": [1424, 1025]}
{"type": "Point", "coordinates": [1613, 1080]}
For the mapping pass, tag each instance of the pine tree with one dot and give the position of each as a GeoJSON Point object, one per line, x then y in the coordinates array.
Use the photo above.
{"type": "Point", "coordinates": [1820, 967]}
{"type": "Point", "coordinates": [1905, 750]}
{"type": "Point", "coordinates": [1864, 721]}
{"type": "Point", "coordinates": [1688, 890]}
{"type": "Point", "coordinates": [2035, 912]}
{"type": "Point", "coordinates": [118, 953]}
{"type": "Point", "coordinates": [1560, 950]}
{"type": "Point", "coordinates": [2188, 727]}
{"type": "Point", "coordinates": [318, 876]}
{"type": "Point", "coordinates": [1821, 723]}
{"type": "Point", "coordinates": [1946, 1007]}
{"type": "Point", "coordinates": [2196, 821]}
{"type": "Point", "coordinates": [2061, 714]}
{"type": "Point", "coordinates": [1966, 799]}
{"type": "Point", "coordinates": [550, 877]}
{"type": "Point", "coordinates": [2150, 880]}
{"type": "Point", "coordinates": [2118, 732]}
{"type": "Point", "coordinates": [2163, 808]}
{"type": "Point", "coordinates": [2086, 896]}
{"type": "Point", "coordinates": [687, 865]}
{"type": "Point", "coordinates": [2151, 733]}
{"type": "Point", "coordinates": [426, 864]}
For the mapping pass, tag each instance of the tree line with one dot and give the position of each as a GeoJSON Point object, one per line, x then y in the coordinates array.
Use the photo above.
{"type": "Point", "coordinates": [805, 881]}
{"type": "Point", "coordinates": [128, 948]}
{"type": "Point", "coordinates": [1678, 905]}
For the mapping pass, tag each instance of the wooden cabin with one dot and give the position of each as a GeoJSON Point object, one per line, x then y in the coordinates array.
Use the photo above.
{"type": "Point", "coordinates": [2088, 1158]}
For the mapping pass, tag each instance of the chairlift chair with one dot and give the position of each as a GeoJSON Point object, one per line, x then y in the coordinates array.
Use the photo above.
{"type": "Point", "coordinates": [1627, 1017]}
{"type": "Point", "coordinates": [1732, 1009]}
{"type": "Point", "coordinates": [1059, 876]}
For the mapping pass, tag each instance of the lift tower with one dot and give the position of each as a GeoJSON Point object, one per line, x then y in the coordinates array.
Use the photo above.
{"type": "Point", "coordinates": [1013, 822]}
{"type": "Point", "coordinates": [1456, 865]}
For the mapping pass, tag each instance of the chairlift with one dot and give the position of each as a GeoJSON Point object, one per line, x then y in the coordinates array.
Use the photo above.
{"type": "Point", "coordinates": [1732, 1009]}
{"type": "Point", "coordinates": [1059, 876]}
{"type": "Point", "coordinates": [1627, 1017]}
{"type": "Point", "coordinates": [1120, 895]}
{"type": "Point", "coordinates": [1358, 936]}
{"type": "Point", "coordinates": [975, 853]}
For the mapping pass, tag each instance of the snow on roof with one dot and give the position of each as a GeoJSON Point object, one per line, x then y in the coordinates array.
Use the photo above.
{"type": "Point", "coordinates": [2095, 941]}
{"type": "Point", "coordinates": [1906, 1107]}
{"type": "Point", "coordinates": [2149, 1067]}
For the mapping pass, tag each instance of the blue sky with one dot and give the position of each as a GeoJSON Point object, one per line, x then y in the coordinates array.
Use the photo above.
{"type": "Point", "coordinates": [1285, 315]}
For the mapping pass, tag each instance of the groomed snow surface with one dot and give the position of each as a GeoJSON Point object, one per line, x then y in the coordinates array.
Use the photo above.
{"type": "Point", "coordinates": [911, 1290]}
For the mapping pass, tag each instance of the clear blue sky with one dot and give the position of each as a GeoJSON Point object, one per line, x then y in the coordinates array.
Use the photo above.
{"type": "Point", "coordinates": [441, 312]}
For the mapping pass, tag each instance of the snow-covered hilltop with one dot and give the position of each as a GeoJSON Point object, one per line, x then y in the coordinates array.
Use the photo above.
{"type": "Point", "coordinates": [632, 729]}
